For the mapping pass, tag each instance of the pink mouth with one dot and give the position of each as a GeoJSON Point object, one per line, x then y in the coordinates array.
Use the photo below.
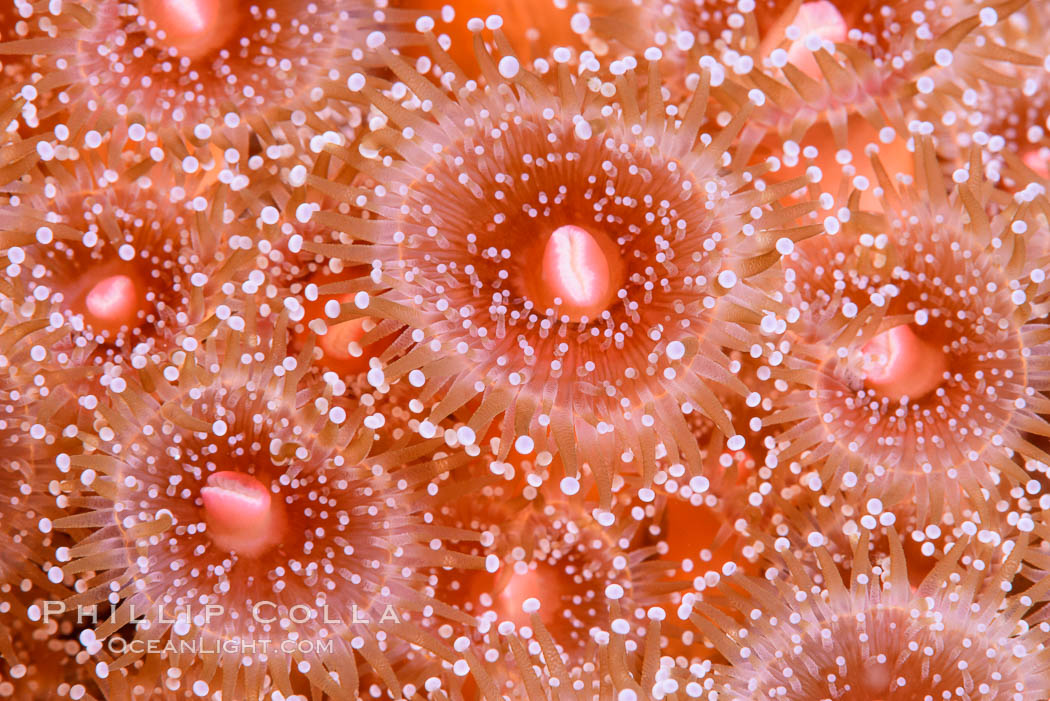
{"type": "Point", "coordinates": [113, 300]}
{"type": "Point", "coordinates": [576, 274]}
{"type": "Point", "coordinates": [240, 513]}
{"type": "Point", "coordinates": [897, 363]}
{"type": "Point", "coordinates": [194, 28]}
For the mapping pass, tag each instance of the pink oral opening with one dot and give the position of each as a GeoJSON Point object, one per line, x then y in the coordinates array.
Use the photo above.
{"type": "Point", "coordinates": [1038, 160]}
{"type": "Point", "coordinates": [241, 514]}
{"type": "Point", "coordinates": [519, 588]}
{"type": "Point", "coordinates": [898, 363]}
{"type": "Point", "coordinates": [575, 273]}
{"type": "Point", "coordinates": [113, 300]}
{"type": "Point", "coordinates": [193, 28]}
{"type": "Point", "coordinates": [821, 20]}
{"type": "Point", "coordinates": [337, 343]}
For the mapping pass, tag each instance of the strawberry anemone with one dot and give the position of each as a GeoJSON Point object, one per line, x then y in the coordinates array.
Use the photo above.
{"type": "Point", "coordinates": [185, 65]}
{"type": "Point", "coordinates": [572, 268]}
{"type": "Point", "coordinates": [234, 520]}
{"type": "Point", "coordinates": [557, 553]}
{"type": "Point", "coordinates": [919, 361]}
{"type": "Point", "coordinates": [958, 634]}
{"type": "Point", "coordinates": [131, 259]}
{"type": "Point", "coordinates": [989, 88]}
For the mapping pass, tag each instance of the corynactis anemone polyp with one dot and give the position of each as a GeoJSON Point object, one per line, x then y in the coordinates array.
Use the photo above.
{"type": "Point", "coordinates": [199, 63]}
{"type": "Point", "coordinates": [801, 516]}
{"type": "Point", "coordinates": [129, 256]}
{"type": "Point", "coordinates": [619, 667]}
{"type": "Point", "coordinates": [957, 635]}
{"type": "Point", "coordinates": [868, 66]}
{"type": "Point", "coordinates": [921, 359]}
{"type": "Point", "coordinates": [551, 550]}
{"type": "Point", "coordinates": [535, 666]}
{"type": "Point", "coordinates": [234, 486]}
{"type": "Point", "coordinates": [992, 88]}
{"type": "Point", "coordinates": [572, 267]}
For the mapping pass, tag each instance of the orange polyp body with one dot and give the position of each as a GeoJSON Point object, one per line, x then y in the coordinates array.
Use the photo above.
{"type": "Point", "coordinates": [1036, 159]}
{"type": "Point", "coordinates": [194, 28]}
{"type": "Point", "coordinates": [898, 363]}
{"type": "Point", "coordinates": [341, 343]}
{"type": "Point", "coordinates": [894, 156]}
{"type": "Point", "coordinates": [241, 514]}
{"type": "Point", "coordinates": [578, 276]}
{"type": "Point", "coordinates": [861, 137]}
{"type": "Point", "coordinates": [695, 531]}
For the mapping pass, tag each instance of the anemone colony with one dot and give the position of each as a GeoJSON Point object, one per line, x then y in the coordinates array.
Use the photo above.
{"type": "Point", "coordinates": [620, 349]}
